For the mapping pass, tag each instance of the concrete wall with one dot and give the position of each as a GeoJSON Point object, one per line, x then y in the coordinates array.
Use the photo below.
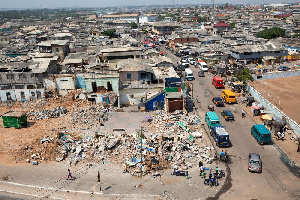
{"type": "Point", "coordinates": [133, 96]}
{"type": "Point", "coordinates": [102, 82]}
{"type": "Point", "coordinates": [80, 82]}
{"type": "Point", "coordinates": [65, 83]}
{"type": "Point", "coordinates": [16, 95]}
{"type": "Point", "coordinates": [134, 76]}
{"type": "Point", "coordinates": [279, 74]}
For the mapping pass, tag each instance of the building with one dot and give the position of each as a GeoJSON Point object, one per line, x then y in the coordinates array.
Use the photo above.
{"type": "Point", "coordinates": [250, 53]}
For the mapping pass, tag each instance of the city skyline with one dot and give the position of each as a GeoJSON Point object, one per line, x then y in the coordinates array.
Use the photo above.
{"type": "Point", "coordinates": [27, 4]}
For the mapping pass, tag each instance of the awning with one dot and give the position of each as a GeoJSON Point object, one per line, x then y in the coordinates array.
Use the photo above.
{"type": "Point", "coordinates": [267, 117]}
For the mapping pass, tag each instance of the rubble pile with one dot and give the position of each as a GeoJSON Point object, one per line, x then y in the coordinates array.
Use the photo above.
{"type": "Point", "coordinates": [39, 150]}
{"type": "Point", "coordinates": [84, 118]}
{"type": "Point", "coordinates": [46, 114]}
{"type": "Point", "coordinates": [164, 141]}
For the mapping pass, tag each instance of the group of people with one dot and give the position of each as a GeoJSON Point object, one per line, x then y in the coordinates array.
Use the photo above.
{"type": "Point", "coordinates": [281, 133]}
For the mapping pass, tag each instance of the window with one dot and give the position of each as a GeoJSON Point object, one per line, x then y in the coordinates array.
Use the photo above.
{"type": "Point", "coordinates": [143, 75]}
{"type": "Point", "coordinates": [128, 76]}
{"type": "Point", "coordinates": [21, 75]}
{"type": "Point", "coordinates": [57, 49]}
{"type": "Point", "coordinates": [9, 76]}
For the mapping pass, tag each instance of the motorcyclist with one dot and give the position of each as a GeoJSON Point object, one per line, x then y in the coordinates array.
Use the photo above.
{"type": "Point", "coordinates": [222, 154]}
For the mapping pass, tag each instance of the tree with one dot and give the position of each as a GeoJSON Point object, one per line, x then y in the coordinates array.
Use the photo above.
{"type": "Point", "coordinates": [133, 25]}
{"type": "Point", "coordinates": [201, 19]}
{"type": "Point", "coordinates": [232, 25]}
{"type": "Point", "coordinates": [109, 32]}
{"type": "Point", "coordinates": [245, 75]}
{"type": "Point", "coordinates": [271, 33]}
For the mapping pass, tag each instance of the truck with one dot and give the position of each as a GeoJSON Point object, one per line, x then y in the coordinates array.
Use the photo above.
{"type": "Point", "coordinates": [220, 135]}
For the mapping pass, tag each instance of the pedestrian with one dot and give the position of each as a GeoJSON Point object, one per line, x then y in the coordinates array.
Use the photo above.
{"type": "Point", "coordinates": [200, 163]}
{"type": "Point", "coordinates": [282, 136]}
{"type": "Point", "coordinates": [98, 176]}
{"type": "Point", "coordinates": [217, 169]}
{"type": "Point", "coordinates": [201, 170]}
{"type": "Point", "coordinates": [187, 175]}
{"type": "Point", "coordinates": [243, 113]}
{"type": "Point", "coordinates": [69, 174]}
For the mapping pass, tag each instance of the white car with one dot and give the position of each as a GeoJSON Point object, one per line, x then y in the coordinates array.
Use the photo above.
{"type": "Point", "coordinates": [192, 61]}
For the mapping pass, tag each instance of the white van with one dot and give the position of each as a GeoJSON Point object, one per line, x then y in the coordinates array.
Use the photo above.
{"type": "Point", "coordinates": [203, 66]}
{"type": "Point", "coordinates": [188, 74]}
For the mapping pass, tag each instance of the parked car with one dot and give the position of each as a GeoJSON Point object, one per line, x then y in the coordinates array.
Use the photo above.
{"type": "Point", "coordinates": [201, 73]}
{"type": "Point", "coordinates": [227, 114]}
{"type": "Point", "coordinates": [283, 68]}
{"type": "Point", "coordinates": [254, 163]}
{"type": "Point", "coordinates": [218, 101]}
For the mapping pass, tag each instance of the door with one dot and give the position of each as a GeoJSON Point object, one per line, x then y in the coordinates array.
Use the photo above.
{"type": "Point", "coordinates": [109, 86]}
{"type": "Point", "coordinates": [94, 86]}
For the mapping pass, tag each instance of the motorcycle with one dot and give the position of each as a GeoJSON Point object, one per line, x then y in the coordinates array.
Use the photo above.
{"type": "Point", "coordinates": [219, 174]}
{"type": "Point", "coordinates": [211, 108]}
{"type": "Point", "coordinates": [224, 158]}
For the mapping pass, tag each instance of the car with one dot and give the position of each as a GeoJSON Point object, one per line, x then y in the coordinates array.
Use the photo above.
{"type": "Point", "coordinates": [218, 101]}
{"type": "Point", "coordinates": [254, 163]}
{"type": "Point", "coordinates": [283, 68]}
{"type": "Point", "coordinates": [192, 61]}
{"type": "Point", "coordinates": [227, 114]}
{"type": "Point", "coordinates": [177, 54]}
{"type": "Point", "coordinates": [201, 73]}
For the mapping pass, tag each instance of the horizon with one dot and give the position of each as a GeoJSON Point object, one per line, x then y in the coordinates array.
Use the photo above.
{"type": "Point", "coordinates": [56, 4]}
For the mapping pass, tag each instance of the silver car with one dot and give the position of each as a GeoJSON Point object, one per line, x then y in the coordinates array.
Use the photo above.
{"type": "Point", "coordinates": [254, 164]}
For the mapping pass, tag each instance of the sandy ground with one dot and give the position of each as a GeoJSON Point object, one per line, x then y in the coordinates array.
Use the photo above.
{"type": "Point", "coordinates": [283, 93]}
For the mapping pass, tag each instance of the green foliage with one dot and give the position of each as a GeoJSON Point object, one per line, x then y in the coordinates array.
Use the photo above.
{"type": "Point", "coordinates": [245, 76]}
{"type": "Point", "coordinates": [133, 25]}
{"type": "Point", "coordinates": [239, 16]}
{"type": "Point", "coordinates": [232, 25]}
{"type": "Point", "coordinates": [160, 17]}
{"type": "Point", "coordinates": [38, 14]}
{"type": "Point", "coordinates": [202, 19]}
{"type": "Point", "coordinates": [296, 35]}
{"type": "Point", "coordinates": [271, 33]}
{"type": "Point", "coordinates": [109, 32]}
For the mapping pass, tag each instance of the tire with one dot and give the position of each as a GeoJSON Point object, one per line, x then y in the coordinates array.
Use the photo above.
{"type": "Point", "coordinates": [210, 184]}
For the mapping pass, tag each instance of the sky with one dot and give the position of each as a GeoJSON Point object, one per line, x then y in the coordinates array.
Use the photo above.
{"type": "Point", "coordinates": [102, 3]}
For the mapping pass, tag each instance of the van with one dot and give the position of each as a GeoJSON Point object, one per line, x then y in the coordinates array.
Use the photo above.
{"type": "Point", "coordinates": [220, 135]}
{"type": "Point", "coordinates": [188, 74]}
{"type": "Point", "coordinates": [218, 82]}
{"type": "Point", "coordinates": [203, 66]}
{"type": "Point", "coordinates": [228, 96]}
{"type": "Point", "coordinates": [212, 119]}
{"type": "Point", "coordinates": [261, 134]}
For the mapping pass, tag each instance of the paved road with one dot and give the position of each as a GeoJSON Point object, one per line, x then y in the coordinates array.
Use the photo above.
{"type": "Point", "coordinates": [275, 181]}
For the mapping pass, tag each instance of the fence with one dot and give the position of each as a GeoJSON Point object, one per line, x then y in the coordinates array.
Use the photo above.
{"type": "Point", "coordinates": [279, 74]}
{"type": "Point", "coordinates": [274, 109]}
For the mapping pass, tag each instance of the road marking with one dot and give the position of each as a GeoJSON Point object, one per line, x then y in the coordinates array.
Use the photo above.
{"type": "Point", "coordinates": [73, 191]}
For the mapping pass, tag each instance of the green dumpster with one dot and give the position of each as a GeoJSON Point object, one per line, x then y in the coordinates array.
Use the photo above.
{"type": "Point", "coordinates": [14, 119]}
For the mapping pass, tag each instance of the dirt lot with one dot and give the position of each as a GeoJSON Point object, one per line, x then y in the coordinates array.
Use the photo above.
{"type": "Point", "coordinates": [283, 93]}
{"type": "Point", "coordinates": [17, 145]}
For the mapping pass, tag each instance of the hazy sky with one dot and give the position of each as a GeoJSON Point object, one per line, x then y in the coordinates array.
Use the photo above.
{"type": "Point", "coordinates": [104, 3]}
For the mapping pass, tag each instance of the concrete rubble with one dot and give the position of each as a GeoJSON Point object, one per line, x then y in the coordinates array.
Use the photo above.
{"type": "Point", "coordinates": [46, 114]}
{"type": "Point", "coordinates": [163, 142]}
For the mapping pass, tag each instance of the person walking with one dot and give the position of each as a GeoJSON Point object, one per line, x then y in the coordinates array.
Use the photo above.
{"type": "Point", "coordinates": [69, 174]}
{"type": "Point", "coordinates": [243, 113]}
